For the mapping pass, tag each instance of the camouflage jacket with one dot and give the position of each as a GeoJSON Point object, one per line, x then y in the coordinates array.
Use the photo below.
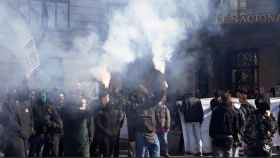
{"type": "Point", "coordinates": [260, 129]}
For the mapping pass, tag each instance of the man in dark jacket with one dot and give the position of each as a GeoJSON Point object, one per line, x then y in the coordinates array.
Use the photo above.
{"type": "Point", "coordinates": [18, 125]}
{"type": "Point", "coordinates": [77, 127]}
{"type": "Point", "coordinates": [193, 117]}
{"type": "Point", "coordinates": [39, 109]}
{"type": "Point", "coordinates": [54, 128]}
{"type": "Point", "coordinates": [237, 137]}
{"type": "Point", "coordinates": [215, 101]}
{"type": "Point", "coordinates": [223, 127]}
{"type": "Point", "coordinates": [108, 122]}
{"type": "Point", "coordinates": [246, 108]}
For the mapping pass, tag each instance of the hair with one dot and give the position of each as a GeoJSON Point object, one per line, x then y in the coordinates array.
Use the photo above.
{"type": "Point", "coordinates": [217, 93]}
{"type": "Point", "coordinates": [243, 97]}
{"type": "Point", "coordinates": [226, 100]}
{"type": "Point", "coordinates": [262, 103]}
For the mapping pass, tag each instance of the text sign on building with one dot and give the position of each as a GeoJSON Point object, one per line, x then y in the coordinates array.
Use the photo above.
{"type": "Point", "coordinates": [249, 19]}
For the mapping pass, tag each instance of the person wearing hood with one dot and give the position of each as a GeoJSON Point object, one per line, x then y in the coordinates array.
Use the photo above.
{"type": "Point", "coordinates": [39, 109]}
{"type": "Point", "coordinates": [146, 137]}
{"type": "Point", "coordinates": [18, 125]}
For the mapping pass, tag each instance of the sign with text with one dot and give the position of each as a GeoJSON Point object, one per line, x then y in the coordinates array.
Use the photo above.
{"type": "Point", "coordinates": [249, 19]}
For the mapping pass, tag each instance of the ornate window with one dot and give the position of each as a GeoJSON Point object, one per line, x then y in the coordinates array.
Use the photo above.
{"type": "Point", "coordinates": [245, 69]}
{"type": "Point", "coordinates": [50, 14]}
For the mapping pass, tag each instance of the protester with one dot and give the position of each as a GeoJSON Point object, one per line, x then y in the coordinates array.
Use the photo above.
{"type": "Point", "coordinates": [163, 119]}
{"type": "Point", "coordinates": [118, 102]}
{"type": "Point", "coordinates": [215, 101]}
{"type": "Point", "coordinates": [59, 107]}
{"type": "Point", "coordinates": [223, 127]}
{"type": "Point", "coordinates": [245, 107]}
{"type": "Point", "coordinates": [193, 118]}
{"type": "Point", "coordinates": [94, 108]}
{"type": "Point", "coordinates": [146, 137]}
{"type": "Point", "coordinates": [53, 133]}
{"type": "Point", "coordinates": [19, 124]}
{"type": "Point", "coordinates": [130, 110]}
{"type": "Point", "coordinates": [260, 129]}
{"type": "Point", "coordinates": [108, 122]}
{"type": "Point", "coordinates": [278, 120]}
{"type": "Point", "coordinates": [39, 109]}
{"type": "Point", "coordinates": [237, 137]}
{"type": "Point", "coordinates": [77, 127]}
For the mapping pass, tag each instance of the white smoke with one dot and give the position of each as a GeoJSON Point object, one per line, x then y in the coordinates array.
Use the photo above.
{"type": "Point", "coordinates": [136, 29]}
{"type": "Point", "coordinates": [17, 44]}
{"type": "Point", "coordinates": [152, 27]}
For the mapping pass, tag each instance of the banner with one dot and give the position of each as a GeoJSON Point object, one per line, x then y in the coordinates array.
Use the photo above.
{"type": "Point", "coordinates": [31, 58]}
{"type": "Point", "coordinates": [206, 141]}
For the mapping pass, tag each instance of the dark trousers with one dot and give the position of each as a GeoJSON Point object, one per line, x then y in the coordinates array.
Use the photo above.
{"type": "Point", "coordinates": [76, 149]}
{"type": "Point", "coordinates": [117, 146]}
{"type": "Point", "coordinates": [107, 146]}
{"type": "Point", "coordinates": [51, 146]}
{"type": "Point", "coordinates": [36, 144]}
{"type": "Point", "coordinates": [257, 151]}
{"type": "Point", "coordinates": [16, 147]}
{"type": "Point", "coordinates": [94, 149]}
{"type": "Point", "coordinates": [61, 151]}
{"type": "Point", "coordinates": [222, 146]}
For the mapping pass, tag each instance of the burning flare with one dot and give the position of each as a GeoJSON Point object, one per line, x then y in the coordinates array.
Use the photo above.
{"type": "Point", "coordinates": [102, 74]}
{"type": "Point", "coordinates": [159, 65]}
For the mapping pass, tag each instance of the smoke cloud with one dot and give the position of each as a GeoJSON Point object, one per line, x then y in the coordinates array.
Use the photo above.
{"type": "Point", "coordinates": [137, 29]}
{"type": "Point", "coordinates": [152, 27]}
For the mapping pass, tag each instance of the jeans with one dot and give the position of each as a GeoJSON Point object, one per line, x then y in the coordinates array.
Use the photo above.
{"type": "Point", "coordinates": [162, 136]}
{"type": "Point", "coordinates": [193, 136]}
{"type": "Point", "coordinates": [235, 151]}
{"type": "Point", "coordinates": [143, 145]}
{"type": "Point", "coordinates": [222, 146]}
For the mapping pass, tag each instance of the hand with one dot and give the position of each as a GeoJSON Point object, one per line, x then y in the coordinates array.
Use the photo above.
{"type": "Point", "coordinates": [33, 131]}
{"type": "Point", "coordinates": [267, 113]}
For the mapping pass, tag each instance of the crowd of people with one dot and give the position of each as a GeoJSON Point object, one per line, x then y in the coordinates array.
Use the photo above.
{"type": "Point", "coordinates": [57, 124]}
{"type": "Point", "coordinates": [231, 127]}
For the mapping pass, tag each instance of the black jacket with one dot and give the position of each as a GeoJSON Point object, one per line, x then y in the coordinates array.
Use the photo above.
{"type": "Point", "coordinates": [53, 121]}
{"type": "Point", "coordinates": [223, 122]}
{"type": "Point", "coordinates": [19, 120]}
{"type": "Point", "coordinates": [214, 103]}
{"type": "Point", "coordinates": [192, 110]}
{"type": "Point", "coordinates": [108, 121]}
{"type": "Point", "coordinates": [240, 125]}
